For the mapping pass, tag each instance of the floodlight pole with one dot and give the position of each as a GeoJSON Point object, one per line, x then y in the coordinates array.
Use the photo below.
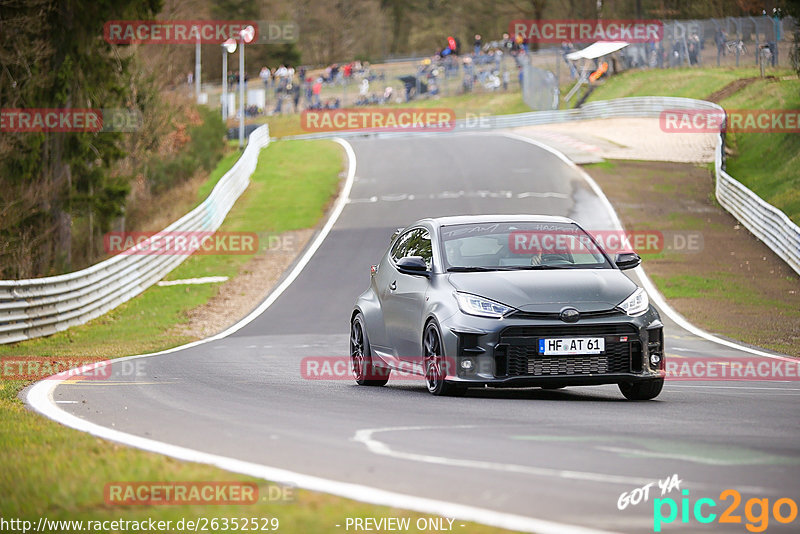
{"type": "Point", "coordinates": [197, 72]}
{"type": "Point", "coordinates": [241, 93]}
{"type": "Point", "coordinates": [224, 83]}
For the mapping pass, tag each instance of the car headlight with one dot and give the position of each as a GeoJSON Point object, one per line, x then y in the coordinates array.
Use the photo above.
{"type": "Point", "coordinates": [636, 304]}
{"type": "Point", "coordinates": [474, 305]}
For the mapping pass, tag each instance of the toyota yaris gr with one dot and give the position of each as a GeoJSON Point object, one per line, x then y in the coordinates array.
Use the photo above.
{"type": "Point", "coordinates": [506, 301]}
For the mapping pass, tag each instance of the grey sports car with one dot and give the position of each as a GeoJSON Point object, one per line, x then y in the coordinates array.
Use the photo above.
{"type": "Point", "coordinates": [506, 301]}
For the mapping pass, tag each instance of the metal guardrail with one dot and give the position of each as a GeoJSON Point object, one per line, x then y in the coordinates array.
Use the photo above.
{"type": "Point", "coordinates": [43, 306]}
{"type": "Point", "coordinates": [765, 221]}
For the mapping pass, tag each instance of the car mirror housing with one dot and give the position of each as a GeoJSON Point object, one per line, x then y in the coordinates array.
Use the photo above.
{"type": "Point", "coordinates": [627, 260]}
{"type": "Point", "coordinates": [412, 265]}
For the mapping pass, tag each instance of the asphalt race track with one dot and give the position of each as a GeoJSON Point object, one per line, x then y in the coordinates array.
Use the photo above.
{"type": "Point", "coordinates": [562, 456]}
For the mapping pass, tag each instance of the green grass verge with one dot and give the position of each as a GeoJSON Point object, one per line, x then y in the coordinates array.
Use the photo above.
{"type": "Point", "coordinates": [686, 82]}
{"type": "Point", "coordinates": [607, 165]}
{"type": "Point", "coordinates": [768, 163]}
{"type": "Point", "coordinates": [717, 286]}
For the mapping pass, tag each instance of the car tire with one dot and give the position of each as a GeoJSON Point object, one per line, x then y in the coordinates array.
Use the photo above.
{"type": "Point", "coordinates": [434, 359]}
{"type": "Point", "coordinates": [364, 372]}
{"type": "Point", "coordinates": [646, 390]}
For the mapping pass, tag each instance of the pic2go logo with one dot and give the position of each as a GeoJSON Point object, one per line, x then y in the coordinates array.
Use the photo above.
{"type": "Point", "coordinates": [757, 511]}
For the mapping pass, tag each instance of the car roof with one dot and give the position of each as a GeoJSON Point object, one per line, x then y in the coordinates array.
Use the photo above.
{"type": "Point", "coordinates": [482, 219]}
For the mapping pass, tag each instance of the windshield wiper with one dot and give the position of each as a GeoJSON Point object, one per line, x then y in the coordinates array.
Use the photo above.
{"type": "Point", "coordinates": [470, 269]}
{"type": "Point", "coordinates": [535, 267]}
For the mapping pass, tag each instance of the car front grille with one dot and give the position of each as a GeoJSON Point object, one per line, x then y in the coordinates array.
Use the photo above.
{"type": "Point", "coordinates": [518, 355]}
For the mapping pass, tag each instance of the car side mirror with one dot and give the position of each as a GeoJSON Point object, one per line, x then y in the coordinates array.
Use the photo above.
{"type": "Point", "coordinates": [627, 260]}
{"type": "Point", "coordinates": [412, 265]}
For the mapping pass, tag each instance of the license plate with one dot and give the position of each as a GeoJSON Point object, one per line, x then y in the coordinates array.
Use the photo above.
{"type": "Point", "coordinates": [572, 345]}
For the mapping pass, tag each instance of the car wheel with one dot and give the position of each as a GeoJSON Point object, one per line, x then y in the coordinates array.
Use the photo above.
{"type": "Point", "coordinates": [434, 365]}
{"type": "Point", "coordinates": [361, 357]}
{"type": "Point", "coordinates": [642, 390]}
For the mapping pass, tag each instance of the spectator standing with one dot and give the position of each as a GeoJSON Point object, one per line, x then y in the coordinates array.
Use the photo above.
{"type": "Point", "coordinates": [478, 44]}
{"type": "Point", "coordinates": [308, 91]}
{"type": "Point", "coordinates": [719, 39]}
{"type": "Point", "coordinates": [694, 49]}
{"type": "Point", "coordinates": [295, 90]}
{"type": "Point", "coordinates": [519, 41]}
{"type": "Point", "coordinates": [280, 78]}
{"type": "Point", "coordinates": [507, 44]}
{"type": "Point", "coordinates": [316, 89]}
{"type": "Point", "coordinates": [567, 48]}
{"type": "Point", "coordinates": [265, 76]}
{"type": "Point", "coordinates": [469, 74]}
{"type": "Point", "coordinates": [772, 35]}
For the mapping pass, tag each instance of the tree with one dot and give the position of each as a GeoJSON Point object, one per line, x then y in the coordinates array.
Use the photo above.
{"type": "Point", "coordinates": [54, 56]}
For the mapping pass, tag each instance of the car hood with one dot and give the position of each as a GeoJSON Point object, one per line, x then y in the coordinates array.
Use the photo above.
{"type": "Point", "coordinates": [587, 290]}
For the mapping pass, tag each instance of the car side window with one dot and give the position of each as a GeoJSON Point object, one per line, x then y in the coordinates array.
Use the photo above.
{"type": "Point", "coordinates": [415, 242]}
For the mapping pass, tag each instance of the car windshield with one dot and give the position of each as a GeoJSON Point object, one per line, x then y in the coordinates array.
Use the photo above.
{"type": "Point", "coordinates": [519, 246]}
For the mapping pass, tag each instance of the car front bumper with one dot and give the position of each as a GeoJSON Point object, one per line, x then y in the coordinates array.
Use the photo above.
{"type": "Point", "coordinates": [504, 352]}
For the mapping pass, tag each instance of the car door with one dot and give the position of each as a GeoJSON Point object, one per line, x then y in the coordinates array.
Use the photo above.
{"type": "Point", "coordinates": [403, 297]}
